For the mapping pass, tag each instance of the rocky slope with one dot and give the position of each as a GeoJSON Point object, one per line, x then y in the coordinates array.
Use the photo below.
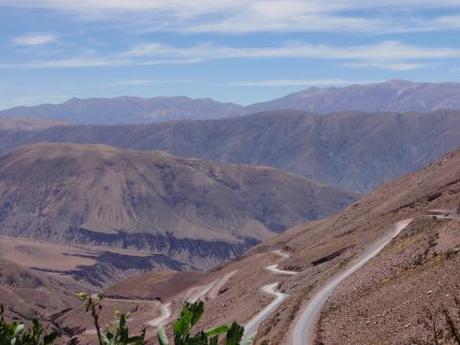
{"type": "Point", "coordinates": [193, 211]}
{"type": "Point", "coordinates": [387, 301]}
{"type": "Point", "coordinates": [90, 267]}
{"type": "Point", "coordinates": [395, 95]}
{"type": "Point", "coordinates": [127, 110]}
{"type": "Point", "coordinates": [28, 294]}
{"type": "Point", "coordinates": [354, 151]}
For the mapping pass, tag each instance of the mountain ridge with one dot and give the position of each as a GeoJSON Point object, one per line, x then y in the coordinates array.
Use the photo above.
{"type": "Point", "coordinates": [127, 109]}
{"type": "Point", "coordinates": [390, 96]}
{"type": "Point", "coordinates": [351, 150]}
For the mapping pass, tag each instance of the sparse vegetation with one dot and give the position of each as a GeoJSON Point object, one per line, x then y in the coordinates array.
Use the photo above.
{"type": "Point", "coordinates": [17, 333]}
{"type": "Point", "coordinates": [190, 315]}
{"type": "Point", "coordinates": [93, 303]}
{"type": "Point", "coordinates": [442, 324]}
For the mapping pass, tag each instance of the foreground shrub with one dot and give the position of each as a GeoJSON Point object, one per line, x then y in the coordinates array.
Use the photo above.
{"type": "Point", "coordinates": [189, 317]}
{"type": "Point", "coordinates": [106, 337]}
{"type": "Point", "coordinates": [17, 334]}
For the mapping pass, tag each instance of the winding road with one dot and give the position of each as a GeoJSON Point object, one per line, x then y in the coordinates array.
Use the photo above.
{"type": "Point", "coordinates": [304, 329]}
{"type": "Point", "coordinates": [195, 294]}
{"type": "Point", "coordinates": [276, 270]}
{"type": "Point", "coordinates": [280, 253]}
{"type": "Point", "coordinates": [163, 318]}
{"type": "Point", "coordinates": [199, 292]}
{"type": "Point", "coordinates": [165, 310]}
{"type": "Point", "coordinates": [214, 291]}
{"type": "Point", "coordinates": [250, 329]}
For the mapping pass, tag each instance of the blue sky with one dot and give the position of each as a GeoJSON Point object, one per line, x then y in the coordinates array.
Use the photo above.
{"type": "Point", "coordinates": [229, 50]}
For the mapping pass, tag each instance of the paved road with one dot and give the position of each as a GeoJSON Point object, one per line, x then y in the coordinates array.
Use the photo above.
{"type": "Point", "coordinates": [250, 329]}
{"type": "Point", "coordinates": [280, 253]}
{"type": "Point", "coordinates": [304, 330]}
{"type": "Point", "coordinates": [199, 292]}
{"type": "Point", "coordinates": [443, 214]}
{"type": "Point", "coordinates": [276, 270]}
{"type": "Point", "coordinates": [137, 301]}
{"type": "Point", "coordinates": [214, 291]}
{"type": "Point", "coordinates": [156, 322]}
{"type": "Point", "coordinates": [163, 318]}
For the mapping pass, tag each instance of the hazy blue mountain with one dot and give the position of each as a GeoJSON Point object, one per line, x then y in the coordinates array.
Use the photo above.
{"type": "Point", "coordinates": [396, 95]}
{"type": "Point", "coordinates": [121, 110]}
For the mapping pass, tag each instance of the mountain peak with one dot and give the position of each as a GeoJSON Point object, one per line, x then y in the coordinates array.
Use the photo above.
{"type": "Point", "coordinates": [377, 97]}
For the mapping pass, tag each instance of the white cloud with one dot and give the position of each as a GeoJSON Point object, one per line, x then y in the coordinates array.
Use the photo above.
{"type": "Point", "coordinates": [391, 55]}
{"type": "Point", "coordinates": [299, 82]}
{"type": "Point", "coordinates": [134, 82]}
{"type": "Point", "coordinates": [34, 39]}
{"type": "Point", "coordinates": [131, 82]}
{"type": "Point", "coordinates": [239, 16]}
{"type": "Point", "coordinates": [383, 51]}
{"type": "Point", "coordinates": [395, 66]}
{"type": "Point", "coordinates": [92, 62]}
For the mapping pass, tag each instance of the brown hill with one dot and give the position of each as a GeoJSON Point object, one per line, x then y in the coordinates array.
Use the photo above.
{"type": "Point", "coordinates": [91, 267]}
{"type": "Point", "coordinates": [26, 124]}
{"type": "Point", "coordinates": [355, 151]}
{"type": "Point", "coordinates": [385, 301]}
{"type": "Point", "coordinates": [195, 212]}
{"type": "Point", "coordinates": [28, 294]}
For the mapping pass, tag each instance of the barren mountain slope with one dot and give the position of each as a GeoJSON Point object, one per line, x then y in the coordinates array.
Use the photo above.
{"type": "Point", "coordinates": [24, 124]}
{"type": "Point", "coordinates": [28, 294]}
{"type": "Point", "coordinates": [194, 211]}
{"type": "Point", "coordinates": [395, 95]}
{"type": "Point", "coordinates": [354, 151]}
{"type": "Point", "coordinates": [91, 267]}
{"type": "Point", "coordinates": [127, 110]}
{"type": "Point", "coordinates": [382, 302]}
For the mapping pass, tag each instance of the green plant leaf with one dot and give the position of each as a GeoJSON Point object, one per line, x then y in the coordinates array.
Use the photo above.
{"type": "Point", "coordinates": [214, 340]}
{"type": "Point", "coordinates": [18, 329]}
{"type": "Point", "coordinates": [162, 338]}
{"type": "Point", "coordinates": [216, 330]}
{"type": "Point", "coordinates": [234, 334]}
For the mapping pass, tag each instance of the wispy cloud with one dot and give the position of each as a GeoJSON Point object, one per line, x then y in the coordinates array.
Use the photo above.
{"type": "Point", "coordinates": [34, 39]}
{"type": "Point", "coordinates": [382, 51]}
{"type": "Point", "coordinates": [392, 55]}
{"type": "Point", "coordinates": [298, 82]}
{"type": "Point", "coordinates": [93, 62]}
{"type": "Point", "coordinates": [135, 82]}
{"type": "Point", "coordinates": [392, 66]}
{"type": "Point", "coordinates": [242, 16]}
{"type": "Point", "coordinates": [131, 82]}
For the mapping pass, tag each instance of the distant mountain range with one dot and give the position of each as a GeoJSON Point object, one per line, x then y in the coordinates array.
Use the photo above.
{"type": "Point", "coordinates": [120, 110]}
{"type": "Point", "coordinates": [354, 151]}
{"type": "Point", "coordinates": [194, 211]}
{"type": "Point", "coordinates": [395, 96]}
